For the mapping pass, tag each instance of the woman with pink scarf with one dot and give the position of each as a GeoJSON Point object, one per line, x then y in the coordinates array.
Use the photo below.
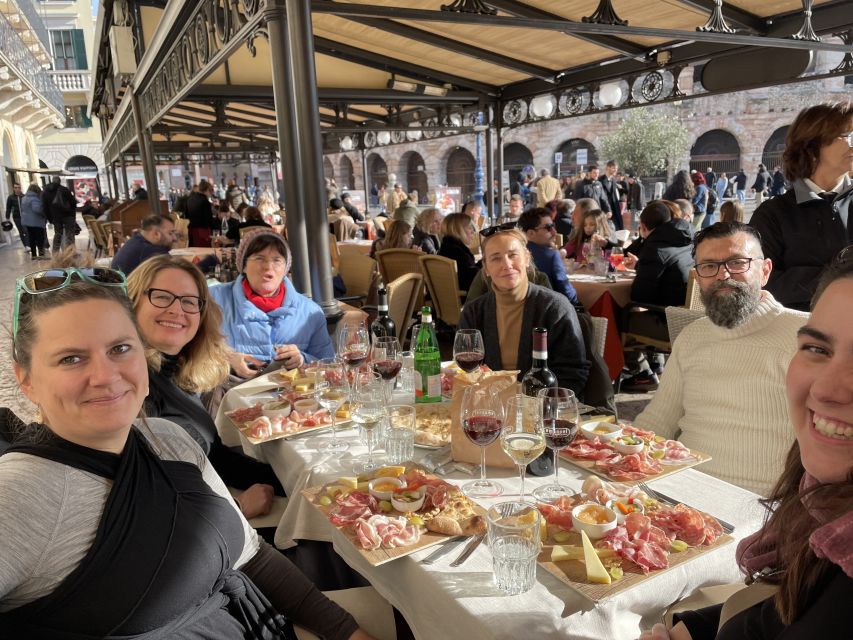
{"type": "Point", "coordinates": [799, 565]}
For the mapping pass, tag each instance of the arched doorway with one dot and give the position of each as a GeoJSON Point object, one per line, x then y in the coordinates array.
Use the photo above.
{"type": "Point", "coordinates": [8, 161]}
{"type": "Point", "coordinates": [328, 169]}
{"type": "Point", "coordinates": [377, 170]}
{"type": "Point", "coordinates": [570, 165]}
{"type": "Point", "coordinates": [516, 157]}
{"type": "Point", "coordinates": [346, 173]}
{"type": "Point", "coordinates": [460, 171]}
{"type": "Point", "coordinates": [717, 149]}
{"type": "Point", "coordinates": [416, 177]}
{"type": "Point", "coordinates": [774, 148]}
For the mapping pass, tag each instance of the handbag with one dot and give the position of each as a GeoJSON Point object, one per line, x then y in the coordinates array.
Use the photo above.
{"type": "Point", "coordinates": [6, 225]}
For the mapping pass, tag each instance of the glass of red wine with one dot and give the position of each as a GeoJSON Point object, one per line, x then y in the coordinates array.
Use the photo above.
{"type": "Point", "coordinates": [560, 418]}
{"type": "Point", "coordinates": [482, 421]}
{"type": "Point", "coordinates": [468, 349]}
{"type": "Point", "coordinates": [387, 360]}
{"type": "Point", "coordinates": [353, 345]}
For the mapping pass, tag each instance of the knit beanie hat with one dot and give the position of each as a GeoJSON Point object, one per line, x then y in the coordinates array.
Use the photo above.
{"type": "Point", "coordinates": [259, 239]}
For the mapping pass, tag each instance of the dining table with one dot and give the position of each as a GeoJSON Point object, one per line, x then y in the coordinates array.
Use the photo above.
{"type": "Point", "coordinates": [440, 601]}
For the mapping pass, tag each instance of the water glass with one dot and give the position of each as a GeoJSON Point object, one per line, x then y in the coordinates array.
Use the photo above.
{"type": "Point", "coordinates": [400, 433]}
{"type": "Point", "coordinates": [367, 410]}
{"type": "Point", "coordinates": [406, 379]}
{"type": "Point", "coordinates": [513, 536]}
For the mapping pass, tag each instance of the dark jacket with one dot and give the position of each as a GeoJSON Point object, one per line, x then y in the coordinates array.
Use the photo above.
{"type": "Point", "coordinates": [762, 181]}
{"type": "Point", "coordinates": [542, 308]}
{"type": "Point", "coordinates": [587, 188]}
{"type": "Point", "coordinates": [636, 196]}
{"type": "Point", "coordinates": [611, 194]}
{"type": "Point", "coordinates": [52, 211]}
{"type": "Point", "coordinates": [200, 212]}
{"type": "Point", "coordinates": [777, 187]}
{"type": "Point", "coordinates": [663, 265]}
{"type": "Point", "coordinates": [354, 213]}
{"type": "Point", "coordinates": [135, 251]}
{"type": "Point", "coordinates": [740, 181]}
{"type": "Point", "coordinates": [426, 242]}
{"type": "Point", "coordinates": [466, 266]}
{"type": "Point", "coordinates": [563, 225]}
{"type": "Point", "coordinates": [13, 206]}
{"type": "Point", "coordinates": [549, 262]}
{"type": "Point", "coordinates": [801, 233]}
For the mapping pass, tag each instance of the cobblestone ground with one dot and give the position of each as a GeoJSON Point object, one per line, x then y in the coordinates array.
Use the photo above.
{"type": "Point", "coordinates": [15, 262]}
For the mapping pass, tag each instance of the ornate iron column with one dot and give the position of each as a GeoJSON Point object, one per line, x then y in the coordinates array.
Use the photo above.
{"type": "Point", "coordinates": [490, 171]}
{"type": "Point", "coordinates": [124, 179]}
{"type": "Point", "coordinates": [288, 138]}
{"type": "Point", "coordinates": [499, 146]}
{"type": "Point", "coordinates": [148, 168]}
{"type": "Point", "coordinates": [478, 164]}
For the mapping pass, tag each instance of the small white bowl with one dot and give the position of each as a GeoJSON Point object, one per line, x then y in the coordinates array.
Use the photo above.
{"type": "Point", "coordinates": [604, 431]}
{"type": "Point", "coordinates": [623, 447]}
{"type": "Point", "coordinates": [306, 405]}
{"type": "Point", "coordinates": [277, 409]}
{"type": "Point", "coordinates": [383, 494]}
{"type": "Point", "coordinates": [594, 530]}
{"type": "Point", "coordinates": [405, 506]}
{"type": "Point", "coordinates": [636, 505]}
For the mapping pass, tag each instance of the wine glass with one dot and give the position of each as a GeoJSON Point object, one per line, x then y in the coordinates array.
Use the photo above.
{"type": "Point", "coordinates": [332, 388]}
{"type": "Point", "coordinates": [387, 358]}
{"type": "Point", "coordinates": [523, 433]}
{"type": "Point", "coordinates": [368, 412]}
{"type": "Point", "coordinates": [353, 344]}
{"type": "Point", "coordinates": [482, 418]}
{"type": "Point", "coordinates": [560, 417]}
{"type": "Point", "coordinates": [617, 256]}
{"type": "Point", "coordinates": [468, 349]}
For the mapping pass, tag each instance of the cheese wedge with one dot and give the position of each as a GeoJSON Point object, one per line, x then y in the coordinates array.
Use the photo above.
{"type": "Point", "coordinates": [595, 571]}
{"type": "Point", "coordinates": [563, 552]}
{"type": "Point", "coordinates": [351, 483]}
{"type": "Point", "coordinates": [288, 375]}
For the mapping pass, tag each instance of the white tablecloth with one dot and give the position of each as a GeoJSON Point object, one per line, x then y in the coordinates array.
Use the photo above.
{"type": "Point", "coordinates": [439, 601]}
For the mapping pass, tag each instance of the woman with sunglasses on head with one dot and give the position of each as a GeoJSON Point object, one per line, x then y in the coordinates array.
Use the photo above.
{"type": "Point", "coordinates": [507, 315]}
{"type": "Point", "coordinates": [805, 227]}
{"type": "Point", "coordinates": [799, 563]}
{"type": "Point", "coordinates": [188, 356]}
{"type": "Point", "coordinates": [115, 526]}
{"type": "Point", "coordinates": [264, 317]}
{"type": "Point", "coordinates": [457, 235]}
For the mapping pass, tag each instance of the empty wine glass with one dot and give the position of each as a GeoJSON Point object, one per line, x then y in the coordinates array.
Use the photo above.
{"type": "Point", "coordinates": [523, 433]}
{"type": "Point", "coordinates": [368, 412]}
{"type": "Point", "coordinates": [468, 349]}
{"type": "Point", "coordinates": [560, 418]}
{"type": "Point", "coordinates": [482, 419]}
{"type": "Point", "coordinates": [332, 389]}
{"type": "Point", "coordinates": [387, 360]}
{"type": "Point", "coordinates": [353, 344]}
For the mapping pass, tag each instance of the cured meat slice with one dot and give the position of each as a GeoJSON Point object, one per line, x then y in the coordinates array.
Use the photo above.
{"type": "Point", "coordinates": [245, 414]}
{"type": "Point", "coordinates": [636, 431]}
{"type": "Point", "coordinates": [639, 542]}
{"type": "Point", "coordinates": [386, 532]}
{"type": "Point", "coordinates": [584, 449]}
{"type": "Point", "coordinates": [352, 507]}
{"type": "Point", "coordinates": [674, 452]}
{"type": "Point", "coordinates": [559, 513]}
{"type": "Point", "coordinates": [635, 466]}
{"type": "Point", "coordinates": [261, 427]}
{"type": "Point", "coordinates": [682, 522]}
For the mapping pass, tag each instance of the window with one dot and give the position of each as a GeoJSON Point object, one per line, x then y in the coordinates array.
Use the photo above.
{"type": "Point", "coordinates": [69, 49]}
{"type": "Point", "coordinates": [76, 118]}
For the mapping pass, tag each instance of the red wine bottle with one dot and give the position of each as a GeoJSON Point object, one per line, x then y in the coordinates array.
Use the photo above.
{"type": "Point", "coordinates": [383, 326]}
{"type": "Point", "coordinates": [539, 377]}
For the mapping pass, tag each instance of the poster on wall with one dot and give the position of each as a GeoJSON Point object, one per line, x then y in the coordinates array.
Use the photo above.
{"type": "Point", "coordinates": [448, 199]}
{"type": "Point", "coordinates": [85, 189]}
{"type": "Point", "coordinates": [358, 200]}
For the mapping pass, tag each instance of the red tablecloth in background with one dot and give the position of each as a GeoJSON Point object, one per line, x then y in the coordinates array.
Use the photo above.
{"type": "Point", "coordinates": [604, 307]}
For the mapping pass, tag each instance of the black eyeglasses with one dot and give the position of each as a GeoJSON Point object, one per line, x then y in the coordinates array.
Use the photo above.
{"type": "Point", "coordinates": [490, 231]}
{"type": "Point", "coordinates": [164, 299]}
{"type": "Point", "coordinates": [547, 227]}
{"type": "Point", "coordinates": [733, 266]}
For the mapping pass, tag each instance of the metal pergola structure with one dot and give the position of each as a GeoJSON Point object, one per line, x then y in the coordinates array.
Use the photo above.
{"type": "Point", "coordinates": [297, 77]}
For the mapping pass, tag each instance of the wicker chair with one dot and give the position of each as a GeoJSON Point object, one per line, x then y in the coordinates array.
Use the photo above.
{"type": "Point", "coordinates": [394, 263]}
{"type": "Point", "coordinates": [356, 270]}
{"type": "Point", "coordinates": [678, 317]}
{"type": "Point", "coordinates": [403, 295]}
{"type": "Point", "coordinates": [442, 283]}
{"type": "Point", "coordinates": [96, 235]}
{"type": "Point", "coordinates": [182, 229]}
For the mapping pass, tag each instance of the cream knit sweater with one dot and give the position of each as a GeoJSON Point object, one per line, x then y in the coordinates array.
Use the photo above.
{"type": "Point", "coordinates": [723, 393]}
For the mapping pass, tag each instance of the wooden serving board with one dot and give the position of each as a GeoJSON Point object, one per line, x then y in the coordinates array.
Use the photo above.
{"type": "Point", "coordinates": [573, 572]}
{"type": "Point", "coordinates": [668, 469]}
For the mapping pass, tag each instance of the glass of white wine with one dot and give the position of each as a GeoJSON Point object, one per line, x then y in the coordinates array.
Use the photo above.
{"type": "Point", "coordinates": [332, 389]}
{"type": "Point", "coordinates": [523, 433]}
{"type": "Point", "coordinates": [368, 411]}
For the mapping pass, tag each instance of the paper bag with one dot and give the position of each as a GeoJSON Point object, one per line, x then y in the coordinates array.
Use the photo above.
{"type": "Point", "coordinates": [503, 384]}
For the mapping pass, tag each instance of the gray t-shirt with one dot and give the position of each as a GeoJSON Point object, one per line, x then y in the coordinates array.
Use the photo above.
{"type": "Point", "coordinates": [49, 514]}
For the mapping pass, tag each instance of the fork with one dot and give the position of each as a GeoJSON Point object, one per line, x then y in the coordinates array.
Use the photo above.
{"type": "Point", "coordinates": [727, 527]}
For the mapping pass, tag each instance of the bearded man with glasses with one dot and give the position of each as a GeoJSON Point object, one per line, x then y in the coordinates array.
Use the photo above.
{"type": "Point", "coordinates": [723, 390]}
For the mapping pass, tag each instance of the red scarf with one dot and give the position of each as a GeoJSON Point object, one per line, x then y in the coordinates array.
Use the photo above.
{"type": "Point", "coordinates": [264, 303]}
{"type": "Point", "coordinates": [831, 540]}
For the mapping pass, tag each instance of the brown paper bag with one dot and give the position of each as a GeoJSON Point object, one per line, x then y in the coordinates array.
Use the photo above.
{"type": "Point", "coordinates": [505, 385]}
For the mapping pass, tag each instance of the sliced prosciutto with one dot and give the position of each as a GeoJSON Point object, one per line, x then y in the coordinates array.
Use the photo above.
{"type": "Point", "coordinates": [246, 414]}
{"type": "Point", "coordinates": [386, 532]}
{"type": "Point", "coordinates": [639, 541]}
{"type": "Point", "coordinates": [674, 452]}
{"type": "Point", "coordinates": [635, 466]}
{"type": "Point", "coordinates": [687, 524]}
{"type": "Point", "coordinates": [595, 449]}
{"type": "Point", "coordinates": [559, 512]}
{"type": "Point", "coordinates": [352, 507]}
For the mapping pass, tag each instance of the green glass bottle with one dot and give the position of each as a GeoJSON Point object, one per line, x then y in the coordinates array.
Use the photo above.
{"type": "Point", "coordinates": [427, 361]}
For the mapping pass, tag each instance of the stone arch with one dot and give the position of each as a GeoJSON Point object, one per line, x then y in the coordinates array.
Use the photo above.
{"type": "Point", "coordinates": [346, 173]}
{"type": "Point", "coordinates": [774, 148]}
{"type": "Point", "coordinates": [516, 157]}
{"type": "Point", "coordinates": [9, 161]}
{"type": "Point", "coordinates": [377, 171]}
{"type": "Point", "coordinates": [570, 165]}
{"type": "Point", "coordinates": [414, 168]}
{"type": "Point", "coordinates": [717, 149]}
{"type": "Point", "coordinates": [460, 171]}
{"type": "Point", "coordinates": [328, 169]}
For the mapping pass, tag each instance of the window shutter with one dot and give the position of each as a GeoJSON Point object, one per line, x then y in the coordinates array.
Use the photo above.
{"type": "Point", "coordinates": [79, 49]}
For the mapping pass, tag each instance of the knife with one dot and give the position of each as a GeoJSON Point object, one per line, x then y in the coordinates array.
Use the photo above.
{"type": "Point", "coordinates": [443, 549]}
{"type": "Point", "coordinates": [727, 526]}
{"type": "Point", "coordinates": [469, 549]}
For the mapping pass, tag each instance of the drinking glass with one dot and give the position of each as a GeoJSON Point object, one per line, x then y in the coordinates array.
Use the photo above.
{"type": "Point", "coordinates": [387, 359]}
{"type": "Point", "coordinates": [332, 388]}
{"type": "Point", "coordinates": [523, 433]}
{"type": "Point", "coordinates": [468, 349]}
{"type": "Point", "coordinates": [367, 410]}
{"type": "Point", "coordinates": [513, 535]}
{"type": "Point", "coordinates": [560, 418]}
{"type": "Point", "coordinates": [353, 344]}
{"type": "Point", "coordinates": [617, 256]}
{"type": "Point", "coordinates": [400, 434]}
{"type": "Point", "coordinates": [482, 418]}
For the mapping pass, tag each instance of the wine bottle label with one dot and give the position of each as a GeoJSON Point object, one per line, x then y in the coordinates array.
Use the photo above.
{"type": "Point", "coordinates": [426, 319]}
{"type": "Point", "coordinates": [540, 355]}
{"type": "Point", "coordinates": [383, 307]}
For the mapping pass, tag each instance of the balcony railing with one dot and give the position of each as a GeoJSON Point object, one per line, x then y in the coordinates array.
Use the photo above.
{"type": "Point", "coordinates": [31, 15]}
{"type": "Point", "coordinates": [72, 80]}
{"type": "Point", "coordinates": [15, 54]}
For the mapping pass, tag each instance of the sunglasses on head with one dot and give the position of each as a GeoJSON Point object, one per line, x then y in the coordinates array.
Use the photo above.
{"type": "Point", "coordinates": [56, 279]}
{"type": "Point", "coordinates": [490, 231]}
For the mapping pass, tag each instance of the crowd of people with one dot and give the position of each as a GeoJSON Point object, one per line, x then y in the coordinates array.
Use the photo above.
{"type": "Point", "coordinates": [762, 382]}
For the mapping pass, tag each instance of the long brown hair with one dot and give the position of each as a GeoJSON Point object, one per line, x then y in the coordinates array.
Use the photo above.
{"type": "Point", "coordinates": [203, 362]}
